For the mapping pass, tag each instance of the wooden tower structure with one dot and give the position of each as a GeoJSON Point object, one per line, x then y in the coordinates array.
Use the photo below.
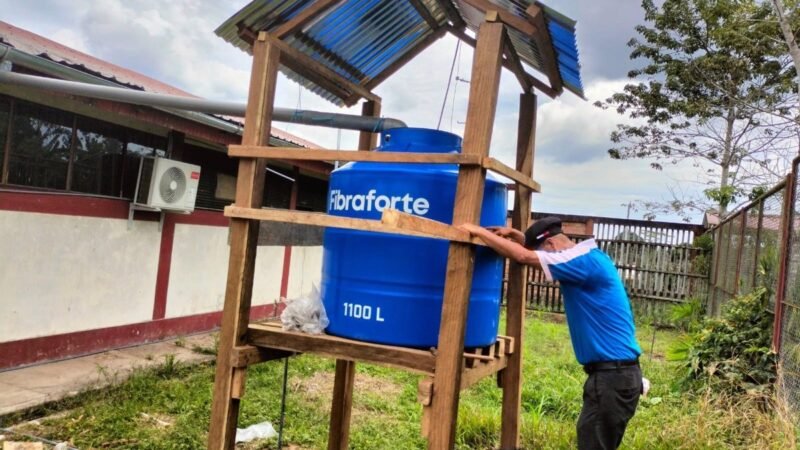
{"type": "Point", "coordinates": [447, 369]}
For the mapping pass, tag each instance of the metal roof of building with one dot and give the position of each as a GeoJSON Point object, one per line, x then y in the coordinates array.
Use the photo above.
{"type": "Point", "coordinates": [36, 45]}
{"type": "Point", "coordinates": [360, 39]}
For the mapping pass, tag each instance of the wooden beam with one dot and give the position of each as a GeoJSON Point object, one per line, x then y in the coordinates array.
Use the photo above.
{"type": "Point", "coordinates": [519, 177]}
{"type": "Point", "coordinates": [476, 374]}
{"type": "Point", "coordinates": [409, 222]}
{"type": "Point", "coordinates": [484, 86]}
{"type": "Point", "coordinates": [545, 45]}
{"type": "Point", "coordinates": [366, 140]}
{"type": "Point", "coordinates": [405, 227]}
{"type": "Point", "coordinates": [506, 16]}
{"type": "Point", "coordinates": [302, 18]}
{"type": "Point", "coordinates": [247, 355]}
{"type": "Point", "coordinates": [514, 64]}
{"type": "Point", "coordinates": [424, 13]}
{"type": "Point", "coordinates": [408, 56]}
{"type": "Point", "coordinates": [341, 405]}
{"type": "Point", "coordinates": [319, 73]}
{"type": "Point", "coordinates": [452, 13]}
{"type": "Point", "coordinates": [517, 278]}
{"type": "Point", "coordinates": [243, 244]}
{"type": "Point", "coordinates": [299, 154]}
{"type": "Point", "coordinates": [537, 83]}
{"type": "Point", "coordinates": [271, 335]}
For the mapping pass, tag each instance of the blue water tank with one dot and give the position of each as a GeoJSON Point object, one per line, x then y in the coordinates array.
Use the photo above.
{"type": "Point", "coordinates": [388, 288]}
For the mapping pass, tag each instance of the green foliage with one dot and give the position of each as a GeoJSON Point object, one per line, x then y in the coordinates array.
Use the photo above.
{"type": "Point", "coordinates": [688, 316]}
{"type": "Point", "coordinates": [733, 354]}
{"type": "Point", "coordinates": [724, 195]}
{"type": "Point", "coordinates": [701, 264]}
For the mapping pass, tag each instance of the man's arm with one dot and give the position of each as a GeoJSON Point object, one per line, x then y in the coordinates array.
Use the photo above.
{"type": "Point", "coordinates": [505, 247]}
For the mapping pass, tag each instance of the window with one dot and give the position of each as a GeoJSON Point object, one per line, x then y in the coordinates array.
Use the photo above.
{"type": "Point", "coordinates": [98, 157]}
{"type": "Point", "coordinates": [5, 107]}
{"type": "Point", "coordinates": [40, 146]}
{"type": "Point", "coordinates": [139, 144]}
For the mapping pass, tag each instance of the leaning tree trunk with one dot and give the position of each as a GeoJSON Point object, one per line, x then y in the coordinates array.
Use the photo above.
{"type": "Point", "coordinates": [725, 164]}
{"type": "Point", "coordinates": [791, 42]}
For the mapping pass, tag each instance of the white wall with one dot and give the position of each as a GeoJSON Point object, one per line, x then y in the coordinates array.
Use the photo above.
{"type": "Point", "coordinates": [199, 271]}
{"type": "Point", "coordinates": [305, 270]}
{"type": "Point", "coordinates": [60, 274]}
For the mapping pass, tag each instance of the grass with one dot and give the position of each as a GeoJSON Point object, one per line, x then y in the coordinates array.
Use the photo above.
{"type": "Point", "coordinates": [168, 407]}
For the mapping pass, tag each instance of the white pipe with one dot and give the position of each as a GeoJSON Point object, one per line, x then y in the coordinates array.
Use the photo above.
{"type": "Point", "coordinates": [123, 95]}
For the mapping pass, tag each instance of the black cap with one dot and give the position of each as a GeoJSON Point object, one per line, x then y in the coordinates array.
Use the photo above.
{"type": "Point", "coordinates": [541, 230]}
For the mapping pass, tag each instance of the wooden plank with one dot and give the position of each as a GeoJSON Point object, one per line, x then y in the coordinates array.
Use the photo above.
{"type": "Point", "coordinates": [472, 376]}
{"type": "Point", "coordinates": [366, 140]}
{"type": "Point", "coordinates": [514, 64]}
{"type": "Point", "coordinates": [407, 228]}
{"type": "Point", "coordinates": [424, 13]}
{"type": "Point", "coordinates": [297, 154]}
{"type": "Point", "coordinates": [247, 355]}
{"type": "Point", "coordinates": [482, 105]}
{"type": "Point", "coordinates": [341, 405]}
{"type": "Point", "coordinates": [519, 177]}
{"type": "Point", "coordinates": [517, 279]}
{"type": "Point", "coordinates": [537, 83]}
{"type": "Point", "coordinates": [452, 13]}
{"type": "Point", "coordinates": [271, 335]}
{"type": "Point", "coordinates": [314, 70]}
{"type": "Point", "coordinates": [506, 16]}
{"type": "Point", "coordinates": [545, 44]}
{"type": "Point", "coordinates": [409, 222]}
{"type": "Point", "coordinates": [238, 384]}
{"type": "Point", "coordinates": [408, 56]}
{"type": "Point", "coordinates": [302, 18]}
{"type": "Point", "coordinates": [243, 240]}
{"type": "Point", "coordinates": [425, 391]}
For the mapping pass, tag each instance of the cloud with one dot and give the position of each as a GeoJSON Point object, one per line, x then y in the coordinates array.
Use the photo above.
{"type": "Point", "coordinates": [173, 41]}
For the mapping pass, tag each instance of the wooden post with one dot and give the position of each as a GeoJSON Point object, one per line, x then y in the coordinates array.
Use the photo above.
{"type": "Point", "coordinates": [243, 241]}
{"type": "Point", "coordinates": [341, 405]}
{"type": "Point", "coordinates": [517, 277]}
{"type": "Point", "coordinates": [366, 140]}
{"type": "Point", "coordinates": [460, 263]}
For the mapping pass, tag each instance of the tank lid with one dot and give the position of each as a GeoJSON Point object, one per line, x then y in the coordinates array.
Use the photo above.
{"type": "Point", "coordinates": [423, 140]}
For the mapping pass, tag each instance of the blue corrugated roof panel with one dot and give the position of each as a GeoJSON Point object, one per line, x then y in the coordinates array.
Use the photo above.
{"type": "Point", "coordinates": [360, 39]}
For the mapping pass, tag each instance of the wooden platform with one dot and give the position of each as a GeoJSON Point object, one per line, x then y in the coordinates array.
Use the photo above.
{"type": "Point", "coordinates": [478, 363]}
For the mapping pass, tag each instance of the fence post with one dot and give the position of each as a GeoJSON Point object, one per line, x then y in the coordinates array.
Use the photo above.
{"type": "Point", "coordinates": [787, 217]}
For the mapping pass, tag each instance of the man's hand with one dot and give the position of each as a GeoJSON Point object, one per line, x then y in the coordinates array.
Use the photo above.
{"type": "Point", "coordinates": [509, 233]}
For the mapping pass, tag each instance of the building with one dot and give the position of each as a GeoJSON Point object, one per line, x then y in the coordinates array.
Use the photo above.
{"type": "Point", "coordinates": [78, 275]}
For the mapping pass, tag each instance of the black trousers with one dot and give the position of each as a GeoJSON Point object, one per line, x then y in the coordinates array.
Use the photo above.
{"type": "Point", "coordinates": [610, 398]}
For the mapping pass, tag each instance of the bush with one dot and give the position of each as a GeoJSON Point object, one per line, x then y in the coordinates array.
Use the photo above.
{"type": "Point", "coordinates": [733, 353]}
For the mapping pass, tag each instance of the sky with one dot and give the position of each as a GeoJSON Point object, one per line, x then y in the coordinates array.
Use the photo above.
{"type": "Point", "coordinates": [174, 42]}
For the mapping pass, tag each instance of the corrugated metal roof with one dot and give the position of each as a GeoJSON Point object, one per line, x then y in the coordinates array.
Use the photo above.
{"type": "Point", "coordinates": [36, 45]}
{"type": "Point", "coordinates": [360, 39]}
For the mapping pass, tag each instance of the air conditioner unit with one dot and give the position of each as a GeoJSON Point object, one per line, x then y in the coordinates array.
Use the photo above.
{"type": "Point", "coordinates": [167, 185]}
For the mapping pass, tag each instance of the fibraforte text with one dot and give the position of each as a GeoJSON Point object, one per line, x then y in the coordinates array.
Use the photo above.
{"type": "Point", "coordinates": [372, 201]}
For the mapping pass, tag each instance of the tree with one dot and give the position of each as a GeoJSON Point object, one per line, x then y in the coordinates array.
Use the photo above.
{"type": "Point", "coordinates": [789, 37]}
{"type": "Point", "coordinates": [714, 92]}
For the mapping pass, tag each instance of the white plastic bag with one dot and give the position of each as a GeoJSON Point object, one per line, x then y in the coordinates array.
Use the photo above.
{"type": "Point", "coordinates": [263, 430]}
{"type": "Point", "coordinates": [305, 314]}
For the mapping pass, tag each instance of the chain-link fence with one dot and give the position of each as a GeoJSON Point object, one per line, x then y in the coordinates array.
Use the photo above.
{"type": "Point", "coordinates": [759, 246]}
{"type": "Point", "coordinates": [747, 250]}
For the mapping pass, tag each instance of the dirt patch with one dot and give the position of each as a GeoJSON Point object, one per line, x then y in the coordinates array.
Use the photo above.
{"type": "Point", "coordinates": [319, 388]}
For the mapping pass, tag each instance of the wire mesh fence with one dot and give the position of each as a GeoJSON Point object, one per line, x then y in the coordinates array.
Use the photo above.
{"type": "Point", "coordinates": [747, 247]}
{"type": "Point", "coordinates": [759, 246]}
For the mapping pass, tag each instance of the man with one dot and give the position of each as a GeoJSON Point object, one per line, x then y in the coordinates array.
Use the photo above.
{"type": "Point", "coordinates": [599, 319]}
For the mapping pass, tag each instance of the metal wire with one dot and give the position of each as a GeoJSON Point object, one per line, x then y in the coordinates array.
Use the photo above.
{"type": "Point", "coordinates": [449, 81]}
{"type": "Point", "coordinates": [283, 402]}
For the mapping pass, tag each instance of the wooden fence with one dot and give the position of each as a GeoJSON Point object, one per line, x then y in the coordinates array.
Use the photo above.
{"type": "Point", "coordinates": [657, 261]}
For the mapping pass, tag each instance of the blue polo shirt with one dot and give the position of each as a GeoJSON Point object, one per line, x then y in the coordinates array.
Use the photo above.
{"type": "Point", "coordinates": [598, 310]}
